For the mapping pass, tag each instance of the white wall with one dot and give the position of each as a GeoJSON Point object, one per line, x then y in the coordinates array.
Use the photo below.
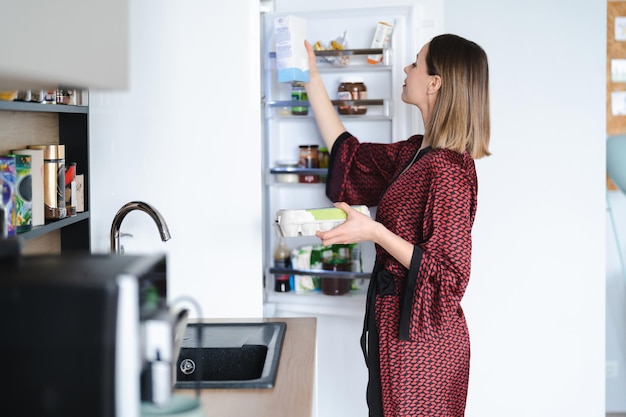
{"type": "Point", "coordinates": [615, 299]}
{"type": "Point", "coordinates": [535, 304]}
{"type": "Point", "coordinates": [185, 137]}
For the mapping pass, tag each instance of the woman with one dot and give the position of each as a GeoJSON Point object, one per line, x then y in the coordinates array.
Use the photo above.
{"type": "Point", "coordinates": [415, 338]}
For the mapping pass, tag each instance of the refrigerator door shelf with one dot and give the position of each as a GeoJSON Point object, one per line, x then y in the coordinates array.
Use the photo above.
{"type": "Point", "coordinates": [322, 273]}
{"type": "Point", "coordinates": [360, 55]}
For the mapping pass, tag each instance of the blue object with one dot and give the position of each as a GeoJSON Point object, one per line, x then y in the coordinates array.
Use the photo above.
{"type": "Point", "coordinates": [287, 75]}
{"type": "Point", "coordinates": [616, 160]}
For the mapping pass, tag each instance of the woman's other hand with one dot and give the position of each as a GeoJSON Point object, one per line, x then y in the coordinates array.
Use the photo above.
{"type": "Point", "coordinates": [359, 227]}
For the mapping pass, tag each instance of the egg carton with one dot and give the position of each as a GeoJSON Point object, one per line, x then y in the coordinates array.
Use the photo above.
{"type": "Point", "coordinates": [305, 222]}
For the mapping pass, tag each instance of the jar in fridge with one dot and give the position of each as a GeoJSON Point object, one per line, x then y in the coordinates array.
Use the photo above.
{"type": "Point", "coordinates": [335, 286]}
{"type": "Point", "coordinates": [308, 158]}
{"type": "Point", "coordinates": [287, 177]}
{"type": "Point", "coordinates": [298, 93]}
{"type": "Point", "coordinates": [351, 88]}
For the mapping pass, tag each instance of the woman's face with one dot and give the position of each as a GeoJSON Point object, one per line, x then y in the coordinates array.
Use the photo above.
{"type": "Point", "coordinates": [416, 84]}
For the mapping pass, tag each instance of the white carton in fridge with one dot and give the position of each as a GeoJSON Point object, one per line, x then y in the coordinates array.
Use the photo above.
{"type": "Point", "coordinates": [305, 222]}
{"type": "Point", "coordinates": [292, 61]}
{"type": "Point", "coordinates": [382, 39]}
{"type": "Point", "coordinates": [301, 259]}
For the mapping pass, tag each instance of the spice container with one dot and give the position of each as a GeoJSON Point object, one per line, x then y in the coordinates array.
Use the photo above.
{"type": "Point", "coordinates": [351, 88]}
{"type": "Point", "coordinates": [23, 95]}
{"type": "Point", "coordinates": [309, 158]}
{"type": "Point", "coordinates": [298, 93]}
{"type": "Point", "coordinates": [49, 97]}
{"type": "Point", "coordinates": [66, 96]}
{"type": "Point", "coordinates": [37, 96]}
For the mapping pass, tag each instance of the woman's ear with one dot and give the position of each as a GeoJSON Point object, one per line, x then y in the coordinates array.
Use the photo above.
{"type": "Point", "coordinates": [435, 83]}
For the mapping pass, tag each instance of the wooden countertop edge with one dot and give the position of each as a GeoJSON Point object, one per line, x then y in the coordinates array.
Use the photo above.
{"type": "Point", "coordinates": [292, 394]}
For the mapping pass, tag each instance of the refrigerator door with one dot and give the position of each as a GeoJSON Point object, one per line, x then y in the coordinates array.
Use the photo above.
{"type": "Point", "coordinates": [380, 117]}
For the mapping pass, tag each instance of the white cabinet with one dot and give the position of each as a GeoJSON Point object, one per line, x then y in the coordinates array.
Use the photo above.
{"type": "Point", "coordinates": [67, 43]}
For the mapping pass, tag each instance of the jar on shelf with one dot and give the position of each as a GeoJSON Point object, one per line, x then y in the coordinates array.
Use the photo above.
{"type": "Point", "coordinates": [335, 286]}
{"type": "Point", "coordinates": [309, 158]}
{"type": "Point", "coordinates": [287, 177]}
{"type": "Point", "coordinates": [351, 88]}
{"type": "Point", "coordinates": [298, 93]}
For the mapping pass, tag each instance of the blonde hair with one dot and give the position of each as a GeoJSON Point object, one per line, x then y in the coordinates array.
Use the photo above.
{"type": "Point", "coordinates": [460, 118]}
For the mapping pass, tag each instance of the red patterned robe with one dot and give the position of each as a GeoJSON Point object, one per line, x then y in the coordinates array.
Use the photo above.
{"type": "Point", "coordinates": [415, 338]}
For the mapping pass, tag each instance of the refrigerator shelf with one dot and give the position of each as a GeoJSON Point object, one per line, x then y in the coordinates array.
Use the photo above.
{"type": "Point", "coordinates": [290, 103]}
{"type": "Point", "coordinates": [360, 54]}
{"type": "Point", "coordinates": [344, 52]}
{"type": "Point", "coordinates": [302, 171]}
{"type": "Point", "coordinates": [317, 303]}
{"type": "Point", "coordinates": [381, 109]}
{"type": "Point", "coordinates": [322, 273]}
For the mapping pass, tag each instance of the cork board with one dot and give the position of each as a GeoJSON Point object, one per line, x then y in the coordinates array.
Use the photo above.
{"type": "Point", "coordinates": [615, 49]}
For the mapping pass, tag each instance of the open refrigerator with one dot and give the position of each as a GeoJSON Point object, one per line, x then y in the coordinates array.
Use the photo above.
{"type": "Point", "coordinates": [386, 119]}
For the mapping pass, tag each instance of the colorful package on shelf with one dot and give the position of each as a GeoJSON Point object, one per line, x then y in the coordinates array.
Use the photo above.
{"type": "Point", "coordinates": [23, 193]}
{"type": "Point", "coordinates": [382, 39]}
{"type": "Point", "coordinates": [70, 189]}
{"type": "Point", "coordinates": [80, 193]}
{"type": "Point", "coordinates": [7, 202]}
{"type": "Point", "coordinates": [36, 174]}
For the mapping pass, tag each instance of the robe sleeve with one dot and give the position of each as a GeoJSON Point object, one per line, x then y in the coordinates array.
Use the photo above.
{"type": "Point", "coordinates": [440, 266]}
{"type": "Point", "coordinates": [359, 173]}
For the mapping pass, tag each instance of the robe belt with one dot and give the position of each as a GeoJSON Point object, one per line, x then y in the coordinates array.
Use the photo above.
{"type": "Point", "coordinates": [406, 303]}
{"type": "Point", "coordinates": [382, 283]}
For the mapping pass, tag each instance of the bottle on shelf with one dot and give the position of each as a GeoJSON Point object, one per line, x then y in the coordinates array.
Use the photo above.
{"type": "Point", "coordinates": [298, 93]}
{"type": "Point", "coordinates": [282, 259]}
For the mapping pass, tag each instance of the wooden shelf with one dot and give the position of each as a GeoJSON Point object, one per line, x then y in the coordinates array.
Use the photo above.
{"type": "Point", "coordinates": [27, 123]}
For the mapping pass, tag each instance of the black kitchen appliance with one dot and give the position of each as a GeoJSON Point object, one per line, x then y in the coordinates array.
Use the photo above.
{"type": "Point", "coordinates": [86, 335]}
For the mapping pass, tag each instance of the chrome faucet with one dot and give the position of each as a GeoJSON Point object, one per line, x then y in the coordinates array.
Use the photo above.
{"type": "Point", "coordinates": [127, 208]}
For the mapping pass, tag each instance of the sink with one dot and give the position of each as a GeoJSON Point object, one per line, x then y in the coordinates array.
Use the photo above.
{"type": "Point", "coordinates": [229, 355]}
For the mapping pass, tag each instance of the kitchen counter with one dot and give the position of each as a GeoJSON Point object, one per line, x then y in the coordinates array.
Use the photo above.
{"type": "Point", "coordinates": [293, 391]}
